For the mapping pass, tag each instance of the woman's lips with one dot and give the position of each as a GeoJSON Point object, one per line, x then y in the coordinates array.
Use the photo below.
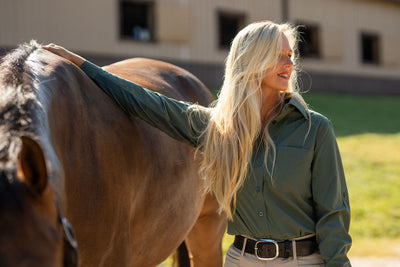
{"type": "Point", "coordinates": [284, 75]}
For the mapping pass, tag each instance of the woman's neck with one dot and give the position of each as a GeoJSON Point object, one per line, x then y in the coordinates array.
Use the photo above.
{"type": "Point", "coordinates": [271, 106]}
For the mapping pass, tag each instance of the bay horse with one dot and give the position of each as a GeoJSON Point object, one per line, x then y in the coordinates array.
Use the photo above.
{"type": "Point", "coordinates": [68, 153]}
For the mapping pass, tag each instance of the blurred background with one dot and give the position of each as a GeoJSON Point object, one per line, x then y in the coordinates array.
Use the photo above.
{"type": "Point", "coordinates": [348, 45]}
{"type": "Point", "coordinates": [350, 57]}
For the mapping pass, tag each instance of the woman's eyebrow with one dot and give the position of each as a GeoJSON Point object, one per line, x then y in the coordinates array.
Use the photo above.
{"type": "Point", "coordinates": [287, 51]}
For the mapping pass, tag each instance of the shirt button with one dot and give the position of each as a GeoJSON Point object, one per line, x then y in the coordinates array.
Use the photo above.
{"type": "Point", "coordinates": [258, 189]}
{"type": "Point", "coordinates": [260, 213]}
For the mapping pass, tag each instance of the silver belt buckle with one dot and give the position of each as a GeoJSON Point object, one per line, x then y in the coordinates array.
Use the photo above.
{"type": "Point", "coordinates": [262, 241]}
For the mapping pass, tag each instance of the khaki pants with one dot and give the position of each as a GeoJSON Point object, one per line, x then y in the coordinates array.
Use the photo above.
{"type": "Point", "coordinates": [235, 258]}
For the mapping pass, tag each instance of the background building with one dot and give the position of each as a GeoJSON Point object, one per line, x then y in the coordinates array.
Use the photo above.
{"type": "Point", "coordinates": [349, 45]}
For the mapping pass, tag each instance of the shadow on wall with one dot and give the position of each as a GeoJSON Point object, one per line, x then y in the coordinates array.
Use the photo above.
{"type": "Point", "coordinates": [350, 84]}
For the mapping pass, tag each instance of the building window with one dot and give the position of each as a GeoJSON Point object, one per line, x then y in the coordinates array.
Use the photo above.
{"type": "Point", "coordinates": [137, 20]}
{"type": "Point", "coordinates": [309, 44]}
{"type": "Point", "coordinates": [370, 48]}
{"type": "Point", "coordinates": [229, 25]}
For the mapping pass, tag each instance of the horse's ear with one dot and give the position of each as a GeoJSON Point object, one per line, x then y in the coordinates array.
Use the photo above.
{"type": "Point", "coordinates": [32, 165]}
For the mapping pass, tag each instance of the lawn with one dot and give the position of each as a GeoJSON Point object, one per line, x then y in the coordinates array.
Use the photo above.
{"type": "Point", "coordinates": [353, 115]}
{"type": "Point", "coordinates": [372, 166]}
{"type": "Point", "coordinates": [368, 134]}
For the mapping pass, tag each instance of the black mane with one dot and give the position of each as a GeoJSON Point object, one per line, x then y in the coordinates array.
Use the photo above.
{"type": "Point", "coordinates": [18, 101]}
{"type": "Point", "coordinates": [12, 66]}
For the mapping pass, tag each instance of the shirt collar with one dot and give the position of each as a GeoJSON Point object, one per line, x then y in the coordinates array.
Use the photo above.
{"type": "Point", "coordinates": [296, 101]}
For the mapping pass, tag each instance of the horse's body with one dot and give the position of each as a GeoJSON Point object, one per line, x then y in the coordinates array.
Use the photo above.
{"type": "Point", "coordinates": [132, 193]}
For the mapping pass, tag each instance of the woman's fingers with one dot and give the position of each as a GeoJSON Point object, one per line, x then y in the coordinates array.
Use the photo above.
{"type": "Point", "coordinates": [58, 50]}
{"type": "Point", "coordinates": [62, 52]}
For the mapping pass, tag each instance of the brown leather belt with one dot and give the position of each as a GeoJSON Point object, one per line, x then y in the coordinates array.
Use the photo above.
{"type": "Point", "coordinates": [267, 249]}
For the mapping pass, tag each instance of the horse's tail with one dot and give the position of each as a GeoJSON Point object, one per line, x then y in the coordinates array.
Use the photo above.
{"type": "Point", "coordinates": [181, 256]}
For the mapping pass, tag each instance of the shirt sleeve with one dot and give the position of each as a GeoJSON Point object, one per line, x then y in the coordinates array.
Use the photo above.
{"type": "Point", "coordinates": [331, 201]}
{"type": "Point", "coordinates": [180, 120]}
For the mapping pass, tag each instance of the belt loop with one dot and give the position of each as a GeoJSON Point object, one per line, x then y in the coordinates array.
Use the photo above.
{"type": "Point", "coordinates": [244, 245]}
{"type": "Point", "coordinates": [294, 249]}
{"type": "Point", "coordinates": [287, 250]}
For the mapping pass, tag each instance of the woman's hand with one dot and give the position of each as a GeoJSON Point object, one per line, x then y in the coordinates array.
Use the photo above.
{"type": "Point", "coordinates": [62, 52]}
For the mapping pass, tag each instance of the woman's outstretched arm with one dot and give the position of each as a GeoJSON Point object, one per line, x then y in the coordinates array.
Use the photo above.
{"type": "Point", "coordinates": [180, 120]}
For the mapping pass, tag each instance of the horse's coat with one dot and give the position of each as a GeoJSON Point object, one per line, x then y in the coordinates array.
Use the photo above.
{"type": "Point", "coordinates": [132, 193]}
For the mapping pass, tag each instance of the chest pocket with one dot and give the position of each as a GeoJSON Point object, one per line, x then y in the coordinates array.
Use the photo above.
{"type": "Point", "coordinates": [292, 171]}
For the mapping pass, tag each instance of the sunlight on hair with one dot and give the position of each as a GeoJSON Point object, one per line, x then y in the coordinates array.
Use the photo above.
{"type": "Point", "coordinates": [236, 119]}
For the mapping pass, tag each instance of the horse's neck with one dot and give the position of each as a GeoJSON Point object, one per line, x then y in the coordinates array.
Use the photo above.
{"type": "Point", "coordinates": [60, 94]}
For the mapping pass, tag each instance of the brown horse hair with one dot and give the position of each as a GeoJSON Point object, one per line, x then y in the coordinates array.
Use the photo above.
{"type": "Point", "coordinates": [21, 114]}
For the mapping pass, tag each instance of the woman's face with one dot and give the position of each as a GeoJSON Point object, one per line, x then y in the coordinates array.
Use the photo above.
{"type": "Point", "coordinates": [278, 80]}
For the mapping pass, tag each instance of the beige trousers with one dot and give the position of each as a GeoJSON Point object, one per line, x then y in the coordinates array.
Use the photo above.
{"type": "Point", "coordinates": [237, 258]}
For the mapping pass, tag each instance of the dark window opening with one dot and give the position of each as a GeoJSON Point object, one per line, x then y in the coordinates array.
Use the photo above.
{"type": "Point", "coordinates": [228, 26]}
{"type": "Point", "coordinates": [136, 20]}
{"type": "Point", "coordinates": [309, 45]}
{"type": "Point", "coordinates": [370, 48]}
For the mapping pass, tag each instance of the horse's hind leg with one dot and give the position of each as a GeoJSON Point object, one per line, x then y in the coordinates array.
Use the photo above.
{"type": "Point", "coordinates": [205, 238]}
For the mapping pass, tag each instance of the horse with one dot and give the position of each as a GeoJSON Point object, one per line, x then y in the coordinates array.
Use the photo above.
{"type": "Point", "coordinates": [70, 156]}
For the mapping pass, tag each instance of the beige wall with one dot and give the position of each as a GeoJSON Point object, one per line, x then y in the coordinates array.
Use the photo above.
{"type": "Point", "coordinates": [187, 29]}
{"type": "Point", "coordinates": [341, 23]}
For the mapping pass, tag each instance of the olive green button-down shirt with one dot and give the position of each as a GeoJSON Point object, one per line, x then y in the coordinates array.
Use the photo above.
{"type": "Point", "coordinates": [304, 192]}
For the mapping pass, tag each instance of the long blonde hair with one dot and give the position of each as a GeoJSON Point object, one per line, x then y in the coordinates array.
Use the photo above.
{"type": "Point", "coordinates": [236, 118]}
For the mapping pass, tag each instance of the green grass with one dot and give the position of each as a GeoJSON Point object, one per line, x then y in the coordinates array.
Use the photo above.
{"type": "Point", "coordinates": [368, 130]}
{"type": "Point", "coordinates": [372, 166]}
{"type": "Point", "coordinates": [351, 115]}
{"type": "Point", "coordinates": [368, 134]}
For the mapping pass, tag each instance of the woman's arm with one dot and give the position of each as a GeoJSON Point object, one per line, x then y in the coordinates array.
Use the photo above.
{"type": "Point", "coordinates": [180, 120]}
{"type": "Point", "coordinates": [331, 199]}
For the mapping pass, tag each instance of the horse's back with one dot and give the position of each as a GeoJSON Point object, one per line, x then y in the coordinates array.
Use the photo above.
{"type": "Point", "coordinates": [163, 77]}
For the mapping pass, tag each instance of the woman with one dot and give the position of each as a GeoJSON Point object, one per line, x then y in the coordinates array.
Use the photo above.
{"type": "Point", "coordinates": [272, 164]}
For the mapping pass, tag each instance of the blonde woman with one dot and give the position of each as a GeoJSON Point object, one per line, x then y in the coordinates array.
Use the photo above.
{"type": "Point", "coordinates": [272, 164]}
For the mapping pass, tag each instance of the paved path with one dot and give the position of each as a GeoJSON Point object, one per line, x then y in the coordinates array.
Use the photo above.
{"type": "Point", "coordinates": [356, 262]}
{"type": "Point", "coordinates": [375, 262]}
{"type": "Point", "coordinates": [390, 261]}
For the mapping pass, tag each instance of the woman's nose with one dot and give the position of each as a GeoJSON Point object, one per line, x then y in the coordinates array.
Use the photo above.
{"type": "Point", "coordinates": [288, 62]}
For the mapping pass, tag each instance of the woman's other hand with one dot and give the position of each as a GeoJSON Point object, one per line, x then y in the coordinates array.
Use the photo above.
{"type": "Point", "coordinates": [62, 52]}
